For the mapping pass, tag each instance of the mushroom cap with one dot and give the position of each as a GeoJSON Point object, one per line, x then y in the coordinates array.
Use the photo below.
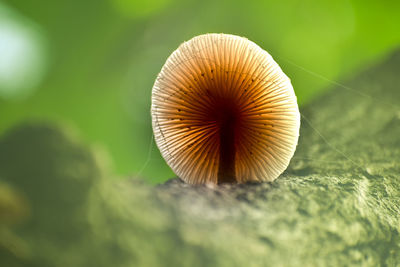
{"type": "Point", "coordinates": [223, 111]}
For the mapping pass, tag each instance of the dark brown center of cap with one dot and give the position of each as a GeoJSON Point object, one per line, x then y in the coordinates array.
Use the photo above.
{"type": "Point", "coordinates": [226, 115]}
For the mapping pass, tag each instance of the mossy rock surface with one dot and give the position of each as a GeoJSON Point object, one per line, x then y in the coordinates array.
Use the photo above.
{"type": "Point", "coordinates": [337, 204]}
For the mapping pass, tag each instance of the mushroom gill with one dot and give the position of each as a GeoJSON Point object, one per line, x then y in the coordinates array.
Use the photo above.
{"type": "Point", "coordinates": [223, 111]}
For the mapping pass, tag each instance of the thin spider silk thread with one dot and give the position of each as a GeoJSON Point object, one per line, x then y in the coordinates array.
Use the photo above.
{"type": "Point", "coordinates": [382, 101]}
{"type": "Point", "coordinates": [328, 143]}
{"type": "Point", "coordinates": [340, 85]}
{"type": "Point", "coordinates": [148, 159]}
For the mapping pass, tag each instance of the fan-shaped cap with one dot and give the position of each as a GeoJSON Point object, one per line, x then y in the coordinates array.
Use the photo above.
{"type": "Point", "coordinates": [223, 111]}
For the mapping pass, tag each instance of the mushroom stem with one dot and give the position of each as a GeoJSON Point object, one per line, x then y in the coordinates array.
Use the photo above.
{"type": "Point", "coordinates": [226, 168]}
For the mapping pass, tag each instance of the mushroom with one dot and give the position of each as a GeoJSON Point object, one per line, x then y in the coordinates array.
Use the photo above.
{"type": "Point", "coordinates": [224, 112]}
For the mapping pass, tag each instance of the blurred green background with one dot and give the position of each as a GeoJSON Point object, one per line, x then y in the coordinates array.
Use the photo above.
{"type": "Point", "coordinates": [91, 64]}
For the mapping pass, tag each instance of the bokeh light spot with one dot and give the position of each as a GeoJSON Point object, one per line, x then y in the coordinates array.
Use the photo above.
{"type": "Point", "coordinates": [22, 55]}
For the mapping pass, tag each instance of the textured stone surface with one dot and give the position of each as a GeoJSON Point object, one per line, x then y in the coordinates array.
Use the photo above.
{"type": "Point", "coordinates": [339, 201]}
{"type": "Point", "coordinates": [337, 204]}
